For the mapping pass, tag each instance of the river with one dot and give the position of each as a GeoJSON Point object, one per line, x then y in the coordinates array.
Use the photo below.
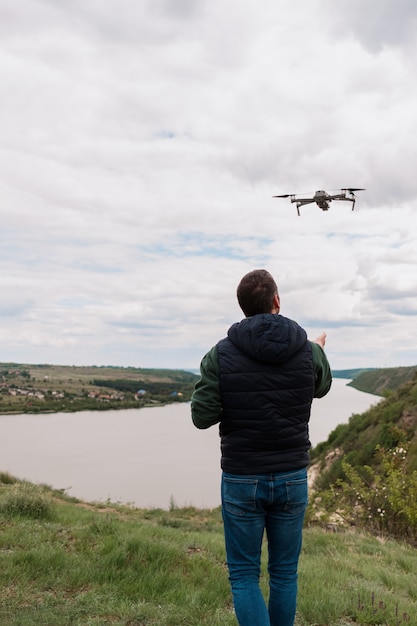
{"type": "Point", "coordinates": [151, 457]}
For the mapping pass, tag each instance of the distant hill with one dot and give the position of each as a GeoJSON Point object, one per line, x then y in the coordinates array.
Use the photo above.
{"type": "Point", "coordinates": [352, 373]}
{"type": "Point", "coordinates": [389, 423]}
{"type": "Point", "coordinates": [378, 381]}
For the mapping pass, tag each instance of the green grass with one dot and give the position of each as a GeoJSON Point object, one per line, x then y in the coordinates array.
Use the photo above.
{"type": "Point", "coordinates": [64, 562]}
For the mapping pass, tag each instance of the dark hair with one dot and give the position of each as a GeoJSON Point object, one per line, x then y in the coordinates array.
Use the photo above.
{"type": "Point", "coordinates": [255, 292]}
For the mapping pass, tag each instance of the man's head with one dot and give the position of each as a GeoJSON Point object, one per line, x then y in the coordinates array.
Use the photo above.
{"type": "Point", "coordinates": [257, 293]}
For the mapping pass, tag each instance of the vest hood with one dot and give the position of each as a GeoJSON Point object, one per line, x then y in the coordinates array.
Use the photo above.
{"type": "Point", "coordinates": [268, 338]}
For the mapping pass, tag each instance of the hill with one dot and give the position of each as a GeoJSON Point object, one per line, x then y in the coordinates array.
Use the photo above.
{"type": "Point", "coordinates": [387, 424]}
{"type": "Point", "coordinates": [366, 472]}
{"type": "Point", "coordinates": [65, 562]}
{"type": "Point", "coordinates": [350, 373]}
{"type": "Point", "coordinates": [378, 381]}
{"type": "Point", "coordinates": [51, 388]}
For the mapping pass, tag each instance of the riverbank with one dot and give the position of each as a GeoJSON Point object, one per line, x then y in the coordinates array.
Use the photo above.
{"type": "Point", "coordinates": [53, 388]}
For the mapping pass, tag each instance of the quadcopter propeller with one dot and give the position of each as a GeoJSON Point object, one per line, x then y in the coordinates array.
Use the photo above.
{"type": "Point", "coordinates": [352, 189]}
{"type": "Point", "coordinates": [284, 195]}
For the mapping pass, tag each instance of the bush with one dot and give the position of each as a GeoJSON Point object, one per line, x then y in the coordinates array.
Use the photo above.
{"type": "Point", "coordinates": [26, 500]}
{"type": "Point", "coordinates": [382, 500]}
{"type": "Point", "coordinates": [7, 479]}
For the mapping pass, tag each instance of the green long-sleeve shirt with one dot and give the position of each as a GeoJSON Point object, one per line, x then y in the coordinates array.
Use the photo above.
{"type": "Point", "coordinates": [206, 405]}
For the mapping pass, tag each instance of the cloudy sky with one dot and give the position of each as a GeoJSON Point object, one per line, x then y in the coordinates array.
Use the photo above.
{"type": "Point", "coordinates": [141, 142]}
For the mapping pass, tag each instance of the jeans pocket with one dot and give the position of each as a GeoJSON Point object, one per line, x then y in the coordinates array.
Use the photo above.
{"type": "Point", "coordinates": [239, 495]}
{"type": "Point", "coordinates": [297, 495]}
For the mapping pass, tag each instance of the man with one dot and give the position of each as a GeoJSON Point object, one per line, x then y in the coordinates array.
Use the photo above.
{"type": "Point", "coordinates": [259, 383]}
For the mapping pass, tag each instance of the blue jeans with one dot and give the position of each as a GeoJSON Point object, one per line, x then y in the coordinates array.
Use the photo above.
{"type": "Point", "coordinates": [274, 503]}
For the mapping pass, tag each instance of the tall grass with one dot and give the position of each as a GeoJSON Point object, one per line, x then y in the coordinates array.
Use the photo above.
{"type": "Point", "coordinates": [350, 575]}
{"type": "Point", "coordinates": [92, 565]}
{"type": "Point", "coordinates": [28, 501]}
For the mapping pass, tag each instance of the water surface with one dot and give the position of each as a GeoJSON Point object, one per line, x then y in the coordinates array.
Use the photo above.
{"type": "Point", "coordinates": [147, 457]}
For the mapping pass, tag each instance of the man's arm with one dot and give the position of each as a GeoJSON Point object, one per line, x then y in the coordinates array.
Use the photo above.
{"type": "Point", "coordinates": [206, 407]}
{"type": "Point", "coordinates": [322, 372]}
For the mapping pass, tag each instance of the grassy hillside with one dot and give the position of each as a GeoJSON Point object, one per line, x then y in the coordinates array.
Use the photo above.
{"type": "Point", "coordinates": [65, 562]}
{"type": "Point", "coordinates": [391, 422]}
{"type": "Point", "coordinates": [378, 381]}
{"type": "Point", "coordinates": [365, 474]}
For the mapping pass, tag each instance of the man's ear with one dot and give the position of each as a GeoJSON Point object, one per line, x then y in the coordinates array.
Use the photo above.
{"type": "Point", "coordinates": [277, 304]}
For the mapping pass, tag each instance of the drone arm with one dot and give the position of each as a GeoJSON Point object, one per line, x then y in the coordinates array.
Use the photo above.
{"type": "Point", "coordinates": [302, 201]}
{"type": "Point", "coordinates": [351, 192]}
{"type": "Point", "coordinates": [352, 200]}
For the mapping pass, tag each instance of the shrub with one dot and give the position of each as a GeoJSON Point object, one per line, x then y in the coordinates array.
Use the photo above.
{"type": "Point", "coordinates": [7, 479]}
{"type": "Point", "coordinates": [382, 500]}
{"type": "Point", "coordinates": [26, 500]}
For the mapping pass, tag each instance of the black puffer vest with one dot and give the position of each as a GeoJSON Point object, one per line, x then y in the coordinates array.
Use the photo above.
{"type": "Point", "coordinates": [266, 377]}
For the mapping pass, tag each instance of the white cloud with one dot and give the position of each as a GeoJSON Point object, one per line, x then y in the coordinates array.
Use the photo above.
{"type": "Point", "coordinates": [391, 23]}
{"type": "Point", "coordinates": [141, 145]}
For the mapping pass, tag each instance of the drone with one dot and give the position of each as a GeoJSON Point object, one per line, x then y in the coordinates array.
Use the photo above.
{"type": "Point", "coordinates": [323, 199]}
